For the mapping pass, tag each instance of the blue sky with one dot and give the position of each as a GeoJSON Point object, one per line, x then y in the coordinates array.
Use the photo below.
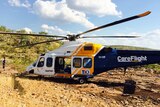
{"type": "Point", "coordinates": [73, 16]}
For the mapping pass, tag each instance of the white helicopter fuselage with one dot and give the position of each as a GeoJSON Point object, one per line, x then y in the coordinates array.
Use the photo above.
{"type": "Point", "coordinates": [47, 67]}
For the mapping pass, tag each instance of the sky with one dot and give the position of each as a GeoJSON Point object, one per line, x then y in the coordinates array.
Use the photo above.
{"type": "Point", "coordinates": [74, 16]}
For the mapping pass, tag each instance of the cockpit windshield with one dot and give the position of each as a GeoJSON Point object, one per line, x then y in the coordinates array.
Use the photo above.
{"type": "Point", "coordinates": [34, 64]}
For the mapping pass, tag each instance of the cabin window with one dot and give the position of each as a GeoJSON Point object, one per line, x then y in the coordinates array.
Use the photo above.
{"type": "Point", "coordinates": [88, 48]}
{"type": "Point", "coordinates": [49, 62]}
{"type": "Point", "coordinates": [41, 62]}
{"type": "Point", "coordinates": [77, 62]}
{"type": "Point", "coordinates": [87, 62]}
{"type": "Point", "coordinates": [107, 50]}
{"type": "Point", "coordinates": [61, 61]}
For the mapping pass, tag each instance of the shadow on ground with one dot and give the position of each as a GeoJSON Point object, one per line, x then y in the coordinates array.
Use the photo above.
{"type": "Point", "coordinates": [107, 84]}
{"type": "Point", "coordinates": [71, 81]}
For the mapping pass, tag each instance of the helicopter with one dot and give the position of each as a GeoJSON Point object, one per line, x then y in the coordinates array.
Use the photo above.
{"type": "Point", "coordinates": [82, 61]}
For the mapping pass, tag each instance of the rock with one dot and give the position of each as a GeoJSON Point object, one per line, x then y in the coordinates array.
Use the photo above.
{"type": "Point", "coordinates": [64, 102]}
{"type": "Point", "coordinates": [83, 99]}
{"type": "Point", "coordinates": [150, 70]}
{"type": "Point", "coordinates": [126, 102]}
{"type": "Point", "coordinates": [33, 94]}
{"type": "Point", "coordinates": [61, 96]}
{"type": "Point", "coordinates": [65, 97]}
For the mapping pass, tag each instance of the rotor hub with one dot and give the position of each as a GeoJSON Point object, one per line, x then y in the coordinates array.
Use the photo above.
{"type": "Point", "coordinates": [71, 37]}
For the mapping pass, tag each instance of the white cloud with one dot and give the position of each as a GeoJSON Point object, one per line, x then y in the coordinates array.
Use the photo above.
{"type": "Point", "coordinates": [54, 30]}
{"type": "Point", "coordinates": [96, 7]}
{"type": "Point", "coordinates": [147, 40]}
{"type": "Point", "coordinates": [59, 11]}
{"type": "Point", "coordinates": [69, 11]}
{"type": "Point", "coordinates": [19, 3]}
{"type": "Point", "coordinates": [150, 39]}
{"type": "Point", "coordinates": [28, 30]}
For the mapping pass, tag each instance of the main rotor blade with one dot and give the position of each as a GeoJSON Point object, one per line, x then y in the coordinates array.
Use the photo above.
{"type": "Point", "coordinates": [110, 37]}
{"type": "Point", "coordinates": [25, 34]}
{"type": "Point", "coordinates": [115, 23]}
{"type": "Point", "coordinates": [39, 43]}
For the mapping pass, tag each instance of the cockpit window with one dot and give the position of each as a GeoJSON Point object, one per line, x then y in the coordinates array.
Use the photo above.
{"type": "Point", "coordinates": [87, 62]}
{"type": "Point", "coordinates": [34, 64]}
{"type": "Point", "coordinates": [77, 62]}
{"type": "Point", "coordinates": [41, 62]}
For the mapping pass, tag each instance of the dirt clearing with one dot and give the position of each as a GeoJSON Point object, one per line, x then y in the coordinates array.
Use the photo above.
{"type": "Point", "coordinates": [105, 90]}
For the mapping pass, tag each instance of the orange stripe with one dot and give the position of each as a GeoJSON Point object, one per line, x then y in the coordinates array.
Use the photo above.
{"type": "Point", "coordinates": [63, 75]}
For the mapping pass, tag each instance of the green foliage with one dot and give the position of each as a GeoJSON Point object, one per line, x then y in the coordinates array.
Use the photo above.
{"type": "Point", "coordinates": [3, 28]}
{"type": "Point", "coordinates": [42, 32]}
{"type": "Point", "coordinates": [155, 67]}
{"type": "Point", "coordinates": [20, 58]}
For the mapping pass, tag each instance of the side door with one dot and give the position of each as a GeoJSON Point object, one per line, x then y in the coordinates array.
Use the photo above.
{"type": "Point", "coordinates": [59, 65]}
{"type": "Point", "coordinates": [82, 66]}
{"type": "Point", "coordinates": [49, 66]}
{"type": "Point", "coordinates": [76, 65]}
{"type": "Point", "coordinates": [40, 66]}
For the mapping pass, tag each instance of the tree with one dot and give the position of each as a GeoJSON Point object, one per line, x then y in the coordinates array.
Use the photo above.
{"type": "Point", "coordinates": [43, 33]}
